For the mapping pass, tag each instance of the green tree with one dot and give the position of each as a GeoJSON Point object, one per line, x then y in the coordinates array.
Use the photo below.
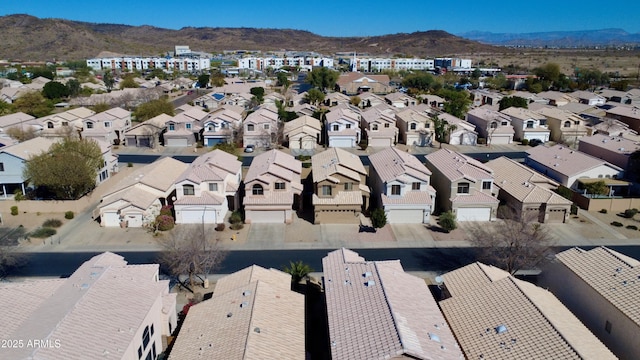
{"type": "Point", "coordinates": [448, 221]}
{"type": "Point", "coordinates": [549, 72]}
{"type": "Point", "coordinates": [203, 81]}
{"type": "Point", "coordinates": [73, 87]}
{"type": "Point", "coordinates": [55, 90]}
{"type": "Point", "coordinates": [458, 102]}
{"type": "Point", "coordinates": [283, 80]}
{"type": "Point", "coordinates": [378, 218]}
{"type": "Point", "coordinates": [314, 96]}
{"type": "Point", "coordinates": [597, 188]}
{"type": "Point", "coordinates": [42, 72]}
{"type": "Point", "coordinates": [498, 82]}
{"type": "Point", "coordinates": [217, 79]}
{"type": "Point", "coordinates": [153, 108]}
{"type": "Point", "coordinates": [258, 92]}
{"type": "Point", "coordinates": [441, 129]}
{"type": "Point", "coordinates": [68, 169]}
{"type": "Point", "coordinates": [34, 104]}
{"type": "Point", "coordinates": [420, 81]}
{"type": "Point", "coordinates": [108, 80]}
{"type": "Point", "coordinates": [100, 107]}
{"type": "Point", "coordinates": [298, 271]}
{"type": "Point", "coordinates": [323, 78]}
{"type": "Point", "coordinates": [355, 100]}
{"type": "Point", "coordinates": [283, 114]}
{"type": "Point", "coordinates": [5, 108]}
{"type": "Point", "coordinates": [513, 101]}
{"type": "Point", "coordinates": [128, 82]}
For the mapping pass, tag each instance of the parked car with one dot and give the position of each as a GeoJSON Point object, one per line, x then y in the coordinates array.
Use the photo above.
{"type": "Point", "coordinates": [249, 148]}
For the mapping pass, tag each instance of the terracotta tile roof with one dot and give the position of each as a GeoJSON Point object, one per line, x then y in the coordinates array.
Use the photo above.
{"type": "Point", "coordinates": [400, 317]}
{"type": "Point", "coordinates": [413, 197]}
{"type": "Point", "coordinates": [613, 275]}
{"type": "Point", "coordinates": [301, 122]}
{"type": "Point", "coordinates": [565, 160]}
{"type": "Point", "coordinates": [275, 164]}
{"type": "Point", "coordinates": [495, 316]}
{"type": "Point", "coordinates": [392, 163]}
{"type": "Point", "coordinates": [341, 198]}
{"type": "Point", "coordinates": [133, 196]}
{"type": "Point", "coordinates": [215, 165]}
{"type": "Point", "coordinates": [475, 197]}
{"type": "Point", "coordinates": [16, 119]}
{"type": "Point", "coordinates": [336, 161]}
{"type": "Point", "coordinates": [103, 303]}
{"type": "Point", "coordinates": [456, 166]}
{"type": "Point", "coordinates": [523, 183]}
{"type": "Point", "coordinates": [205, 198]}
{"type": "Point", "coordinates": [253, 314]}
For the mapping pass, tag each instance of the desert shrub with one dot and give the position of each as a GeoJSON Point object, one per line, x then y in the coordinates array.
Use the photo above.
{"type": "Point", "coordinates": [630, 213]}
{"type": "Point", "coordinates": [164, 222]}
{"type": "Point", "coordinates": [43, 232]}
{"type": "Point", "coordinates": [166, 210]}
{"type": "Point", "coordinates": [236, 226]}
{"type": "Point", "coordinates": [574, 209]}
{"type": "Point", "coordinates": [364, 144]}
{"type": "Point", "coordinates": [14, 210]}
{"type": "Point", "coordinates": [448, 221]}
{"type": "Point", "coordinates": [68, 215]}
{"type": "Point", "coordinates": [603, 211]}
{"type": "Point", "coordinates": [220, 227]}
{"type": "Point", "coordinates": [378, 218]}
{"type": "Point", "coordinates": [525, 142]}
{"type": "Point", "coordinates": [616, 224]}
{"type": "Point", "coordinates": [18, 195]}
{"type": "Point", "coordinates": [129, 164]}
{"type": "Point", "coordinates": [52, 223]}
{"type": "Point", "coordinates": [632, 227]}
{"type": "Point", "coordinates": [235, 218]}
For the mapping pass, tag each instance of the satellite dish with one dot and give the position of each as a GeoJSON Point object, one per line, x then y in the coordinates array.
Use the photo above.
{"type": "Point", "coordinates": [439, 280]}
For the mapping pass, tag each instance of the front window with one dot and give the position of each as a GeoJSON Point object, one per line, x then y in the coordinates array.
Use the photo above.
{"type": "Point", "coordinates": [188, 126]}
{"type": "Point", "coordinates": [1, 166]}
{"type": "Point", "coordinates": [348, 186]}
{"type": "Point", "coordinates": [188, 190]}
{"type": "Point", "coordinates": [486, 185]}
{"type": "Point", "coordinates": [413, 126]}
{"type": "Point", "coordinates": [463, 188]}
{"type": "Point", "coordinates": [395, 189]}
{"type": "Point", "coordinates": [335, 128]}
{"type": "Point", "coordinates": [250, 127]}
{"type": "Point", "coordinates": [107, 124]}
{"type": "Point", "coordinates": [530, 124]}
{"type": "Point", "coordinates": [374, 127]}
{"type": "Point", "coordinates": [49, 125]}
{"type": "Point", "coordinates": [415, 186]}
{"type": "Point", "coordinates": [567, 124]}
{"type": "Point", "coordinates": [494, 125]}
{"type": "Point", "coordinates": [326, 190]}
{"type": "Point", "coordinates": [89, 125]}
{"type": "Point", "coordinates": [280, 186]}
{"type": "Point", "coordinates": [213, 187]}
{"type": "Point", "coordinates": [348, 126]}
{"type": "Point", "coordinates": [172, 127]}
{"type": "Point", "coordinates": [427, 125]}
{"type": "Point", "coordinates": [266, 126]}
{"type": "Point", "coordinates": [504, 123]}
{"type": "Point", "coordinates": [386, 125]}
{"type": "Point", "coordinates": [257, 190]}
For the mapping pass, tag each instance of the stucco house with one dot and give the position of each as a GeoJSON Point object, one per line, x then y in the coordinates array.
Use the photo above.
{"type": "Point", "coordinates": [13, 160]}
{"type": "Point", "coordinates": [184, 128]}
{"type": "Point", "coordinates": [67, 123]}
{"type": "Point", "coordinates": [464, 132]}
{"type": "Point", "coordinates": [565, 126]}
{"type": "Point", "coordinates": [379, 125]}
{"type": "Point", "coordinates": [527, 192]}
{"type": "Point", "coordinates": [557, 98]}
{"type": "Point", "coordinates": [589, 98]}
{"type": "Point", "coordinates": [354, 83]}
{"type": "Point", "coordinates": [261, 127]}
{"type": "Point", "coordinates": [302, 133]}
{"type": "Point", "coordinates": [108, 126]}
{"type": "Point", "coordinates": [208, 189]}
{"type": "Point", "coordinates": [220, 126]}
{"type": "Point", "coordinates": [147, 133]}
{"type": "Point", "coordinates": [272, 188]}
{"type": "Point", "coordinates": [401, 185]}
{"type": "Point", "coordinates": [368, 99]}
{"type": "Point", "coordinates": [400, 100]}
{"type": "Point", "coordinates": [336, 98]}
{"type": "Point", "coordinates": [492, 125]}
{"type": "Point", "coordinates": [528, 124]}
{"type": "Point", "coordinates": [415, 128]}
{"type": "Point", "coordinates": [343, 126]}
{"type": "Point", "coordinates": [340, 193]}
{"type": "Point", "coordinates": [600, 287]}
{"type": "Point", "coordinates": [629, 115]}
{"type": "Point", "coordinates": [568, 166]}
{"type": "Point", "coordinates": [614, 149]}
{"type": "Point", "coordinates": [24, 122]}
{"type": "Point", "coordinates": [136, 200]}
{"type": "Point", "coordinates": [464, 186]}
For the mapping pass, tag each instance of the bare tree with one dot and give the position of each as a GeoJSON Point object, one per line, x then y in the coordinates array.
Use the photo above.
{"type": "Point", "coordinates": [187, 251]}
{"type": "Point", "coordinates": [10, 260]}
{"type": "Point", "coordinates": [515, 242]}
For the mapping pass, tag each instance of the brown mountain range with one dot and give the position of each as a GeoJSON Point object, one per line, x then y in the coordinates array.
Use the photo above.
{"type": "Point", "coordinates": [28, 38]}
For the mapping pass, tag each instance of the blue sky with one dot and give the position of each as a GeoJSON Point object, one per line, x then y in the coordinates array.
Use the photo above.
{"type": "Point", "coordinates": [345, 18]}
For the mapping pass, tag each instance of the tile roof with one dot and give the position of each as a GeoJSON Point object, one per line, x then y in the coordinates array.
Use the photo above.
{"type": "Point", "coordinates": [350, 77]}
{"type": "Point", "coordinates": [392, 163]}
{"type": "Point", "coordinates": [400, 317]}
{"type": "Point", "coordinates": [214, 165]}
{"type": "Point", "coordinates": [412, 197]}
{"type": "Point", "coordinates": [456, 166]}
{"type": "Point", "coordinates": [341, 198]}
{"type": "Point", "coordinates": [274, 164]}
{"type": "Point", "coordinates": [615, 144]}
{"type": "Point", "coordinates": [103, 303]}
{"type": "Point", "coordinates": [565, 160]}
{"type": "Point", "coordinates": [496, 316]}
{"type": "Point", "coordinates": [205, 198]}
{"type": "Point", "coordinates": [522, 114]}
{"type": "Point", "coordinates": [253, 314]}
{"type": "Point", "coordinates": [523, 183]}
{"type": "Point", "coordinates": [613, 275]}
{"type": "Point", "coordinates": [336, 161]}
{"type": "Point", "coordinates": [159, 175]}
{"type": "Point", "coordinates": [29, 148]}
{"type": "Point", "coordinates": [16, 119]}
{"type": "Point", "coordinates": [626, 111]}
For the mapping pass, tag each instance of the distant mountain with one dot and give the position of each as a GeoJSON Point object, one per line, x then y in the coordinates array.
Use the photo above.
{"type": "Point", "coordinates": [24, 37]}
{"type": "Point", "coordinates": [587, 38]}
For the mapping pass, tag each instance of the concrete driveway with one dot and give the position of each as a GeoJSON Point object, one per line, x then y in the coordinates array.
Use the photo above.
{"type": "Point", "coordinates": [412, 233]}
{"type": "Point", "coordinates": [265, 234]}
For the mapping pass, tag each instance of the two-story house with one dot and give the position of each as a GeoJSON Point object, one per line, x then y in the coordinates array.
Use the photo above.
{"type": "Point", "coordinates": [379, 124]}
{"type": "Point", "coordinates": [302, 133]}
{"type": "Point", "coordinates": [528, 124]}
{"type": "Point", "coordinates": [208, 189]}
{"type": "Point", "coordinates": [272, 188]}
{"type": "Point", "coordinates": [148, 133]}
{"type": "Point", "coordinates": [400, 100]}
{"type": "Point", "coordinates": [343, 126]}
{"type": "Point", "coordinates": [589, 98]}
{"type": "Point", "coordinates": [108, 126]}
{"type": "Point", "coordinates": [19, 120]}
{"type": "Point", "coordinates": [340, 193]}
{"type": "Point", "coordinates": [185, 128]}
{"type": "Point", "coordinates": [564, 125]}
{"type": "Point", "coordinates": [261, 128]}
{"type": "Point", "coordinates": [368, 99]}
{"type": "Point", "coordinates": [415, 128]}
{"type": "Point", "coordinates": [67, 123]}
{"type": "Point", "coordinates": [492, 125]}
{"type": "Point", "coordinates": [219, 127]}
{"type": "Point", "coordinates": [13, 162]}
{"type": "Point", "coordinates": [463, 184]}
{"type": "Point", "coordinates": [461, 133]}
{"type": "Point", "coordinates": [402, 187]}
{"type": "Point", "coordinates": [335, 98]}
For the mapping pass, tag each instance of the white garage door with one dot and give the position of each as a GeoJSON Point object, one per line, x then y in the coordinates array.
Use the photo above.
{"type": "Point", "coordinates": [272, 216]}
{"type": "Point", "coordinates": [380, 142]}
{"type": "Point", "coordinates": [412, 216]}
{"type": "Point", "coordinates": [544, 137]}
{"type": "Point", "coordinates": [340, 142]}
{"type": "Point", "coordinates": [110, 219]}
{"type": "Point", "coordinates": [195, 216]}
{"type": "Point", "coordinates": [177, 142]}
{"type": "Point", "coordinates": [496, 139]}
{"type": "Point", "coordinates": [474, 214]}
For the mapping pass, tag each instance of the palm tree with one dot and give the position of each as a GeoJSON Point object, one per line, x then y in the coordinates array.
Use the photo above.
{"type": "Point", "coordinates": [442, 129]}
{"type": "Point", "coordinates": [298, 271]}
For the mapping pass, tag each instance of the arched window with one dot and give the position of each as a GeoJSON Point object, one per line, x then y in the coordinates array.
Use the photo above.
{"type": "Point", "coordinates": [188, 189]}
{"type": "Point", "coordinates": [257, 189]}
{"type": "Point", "coordinates": [89, 125]}
{"type": "Point", "coordinates": [49, 125]}
{"type": "Point", "coordinates": [567, 124]}
{"type": "Point", "coordinates": [530, 124]}
{"type": "Point", "coordinates": [493, 125]}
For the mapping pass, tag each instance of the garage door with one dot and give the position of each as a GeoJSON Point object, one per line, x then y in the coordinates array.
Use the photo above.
{"type": "Point", "coordinates": [496, 140]}
{"type": "Point", "coordinates": [473, 214]}
{"type": "Point", "coordinates": [380, 142]}
{"type": "Point", "coordinates": [177, 142]}
{"type": "Point", "coordinates": [544, 137]}
{"type": "Point", "coordinates": [557, 215]}
{"type": "Point", "coordinates": [144, 142]}
{"type": "Point", "coordinates": [341, 142]}
{"type": "Point", "coordinates": [264, 216]}
{"type": "Point", "coordinates": [214, 142]}
{"type": "Point", "coordinates": [405, 216]}
{"type": "Point", "coordinates": [195, 216]}
{"type": "Point", "coordinates": [110, 219]}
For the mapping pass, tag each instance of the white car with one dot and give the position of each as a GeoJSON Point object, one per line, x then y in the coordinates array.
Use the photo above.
{"type": "Point", "coordinates": [249, 148]}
